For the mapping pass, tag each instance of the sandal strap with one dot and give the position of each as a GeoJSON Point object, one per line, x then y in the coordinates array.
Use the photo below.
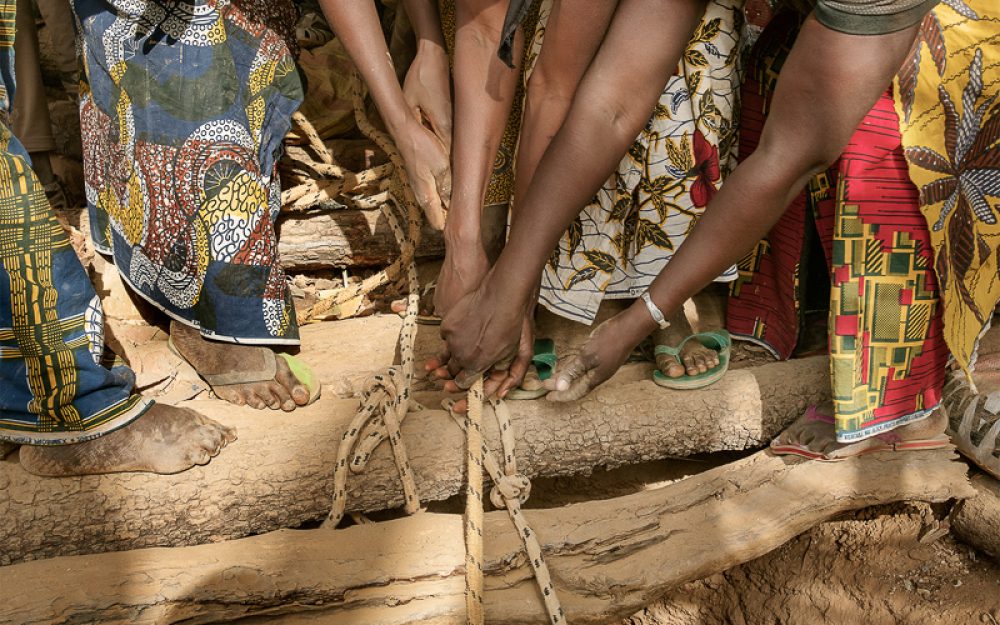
{"type": "Point", "coordinates": [265, 374]}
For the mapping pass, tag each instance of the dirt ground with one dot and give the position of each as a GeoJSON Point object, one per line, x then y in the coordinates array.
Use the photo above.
{"type": "Point", "coordinates": [870, 568]}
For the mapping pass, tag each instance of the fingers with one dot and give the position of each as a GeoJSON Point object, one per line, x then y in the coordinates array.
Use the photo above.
{"type": "Point", "coordinates": [494, 381]}
{"type": "Point", "coordinates": [575, 389]}
{"type": "Point", "coordinates": [517, 371]}
{"type": "Point", "coordinates": [566, 373]}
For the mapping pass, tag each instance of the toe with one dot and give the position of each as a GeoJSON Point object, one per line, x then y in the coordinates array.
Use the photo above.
{"type": "Point", "coordinates": [199, 456]}
{"type": "Point", "coordinates": [284, 397]}
{"type": "Point", "coordinates": [233, 395]}
{"type": "Point", "coordinates": [266, 393]}
{"type": "Point", "coordinates": [211, 440]}
{"type": "Point", "coordinates": [284, 376]}
{"type": "Point", "coordinates": [254, 400]}
{"type": "Point", "coordinates": [670, 367]}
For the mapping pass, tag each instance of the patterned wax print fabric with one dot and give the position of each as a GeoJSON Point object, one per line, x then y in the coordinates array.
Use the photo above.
{"type": "Point", "coordinates": [51, 325]}
{"type": "Point", "coordinates": [948, 99]}
{"type": "Point", "coordinates": [643, 213]}
{"type": "Point", "coordinates": [183, 121]}
{"type": "Point", "coordinates": [887, 351]}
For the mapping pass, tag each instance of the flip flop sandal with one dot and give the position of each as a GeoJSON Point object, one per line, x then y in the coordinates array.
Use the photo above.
{"type": "Point", "coordinates": [974, 422]}
{"type": "Point", "coordinates": [544, 364]}
{"type": "Point", "coordinates": [794, 449]}
{"type": "Point", "coordinates": [718, 341]}
{"type": "Point", "coordinates": [302, 372]}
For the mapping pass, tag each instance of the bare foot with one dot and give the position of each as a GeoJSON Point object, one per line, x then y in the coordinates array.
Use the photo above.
{"type": "Point", "coordinates": [164, 440]}
{"type": "Point", "coordinates": [696, 357]}
{"type": "Point", "coordinates": [285, 391]}
{"type": "Point", "coordinates": [815, 431]}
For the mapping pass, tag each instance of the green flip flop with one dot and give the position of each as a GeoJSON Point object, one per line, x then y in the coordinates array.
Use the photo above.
{"type": "Point", "coordinates": [718, 340]}
{"type": "Point", "coordinates": [544, 361]}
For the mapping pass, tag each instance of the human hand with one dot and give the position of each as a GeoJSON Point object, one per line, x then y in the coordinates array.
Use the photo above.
{"type": "Point", "coordinates": [499, 382]}
{"type": "Point", "coordinates": [427, 89]}
{"type": "Point", "coordinates": [483, 331]}
{"type": "Point", "coordinates": [607, 349]}
{"type": "Point", "coordinates": [427, 167]}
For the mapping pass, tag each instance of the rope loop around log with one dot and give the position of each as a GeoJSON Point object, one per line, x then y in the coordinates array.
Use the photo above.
{"type": "Point", "coordinates": [386, 398]}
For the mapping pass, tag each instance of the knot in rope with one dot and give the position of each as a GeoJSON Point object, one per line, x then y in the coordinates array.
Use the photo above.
{"type": "Point", "coordinates": [509, 488]}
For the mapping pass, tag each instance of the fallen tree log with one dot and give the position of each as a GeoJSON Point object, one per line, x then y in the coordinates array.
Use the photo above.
{"type": "Point", "coordinates": [976, 521]}
{"type": "Point", "coordinates": [345, 238]}
{"type": "Point", "coordinates": [607, 558]}
{"type": "Point", "coordinates": [279, 473]}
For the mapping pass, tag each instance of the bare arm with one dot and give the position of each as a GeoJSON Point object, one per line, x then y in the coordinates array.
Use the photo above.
{"type": "Point", "coordinates": [356, 24]}
{"type": "Point", "coordinates": [426, 22]}
{"type": "Point", "coordinates": [808, 126]}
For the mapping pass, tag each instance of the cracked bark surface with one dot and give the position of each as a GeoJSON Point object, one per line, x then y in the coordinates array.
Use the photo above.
{"type": "Point", "coordinates": [279, 473]}
{"type": "Point", "coordinates": [608, 558]}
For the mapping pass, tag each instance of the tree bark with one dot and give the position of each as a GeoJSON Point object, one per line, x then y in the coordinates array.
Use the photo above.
{"type": "Point", "coordinates": [607, 558]}
{"type": "Point", "coordinates": [345, 238]}
{"type": "Point", "coordinates": [279, 473]}
{"type": "Point", "coordinates": [976, 520]}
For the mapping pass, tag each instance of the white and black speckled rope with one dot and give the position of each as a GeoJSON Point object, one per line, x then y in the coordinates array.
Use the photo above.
{"type": "Point", "coordinates": [510, 490]}
{"type": "Point", "coordinates": [386, 398]}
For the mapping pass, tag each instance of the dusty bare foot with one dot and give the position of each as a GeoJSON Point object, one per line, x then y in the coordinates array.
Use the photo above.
{"type": "Point", "coordinates": [696, 357]}
{"type": "Point", "coordinates": [815, 431]}
{"type": "Point", "coordinates": [426, 307]}
{"type": "Point", "coordinates": [164, 440]}
{"type": "Point", "coordinates": [209, 358]}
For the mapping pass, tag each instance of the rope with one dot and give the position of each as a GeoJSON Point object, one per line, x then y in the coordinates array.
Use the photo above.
{"type": "Point", "coordinates": [510, 490]}
{"type": "Point", "coordinates": [386, 402]}
{"type": "Point", "coordinates": [474, 518]}
{"type": "Point", "coordinates": [385, 398]}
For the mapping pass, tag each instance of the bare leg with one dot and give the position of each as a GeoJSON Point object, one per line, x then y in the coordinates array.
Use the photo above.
{"type": "Point", "coordinates": [164, 440]}
{"type": "Point", "coordinates": [484, 92]}
{"type": "Point", "coordinates": [214, 357]}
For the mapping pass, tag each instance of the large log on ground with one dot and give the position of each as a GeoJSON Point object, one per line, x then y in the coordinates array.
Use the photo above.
{"type": "Point", "coordinates": [279, 473]}
{"type": "Point", "coordinates": [977, 520]}
{"type": "Point", "coordinates": [607, 558]}
{"type": "Point", "coordinates": [345, 238]}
